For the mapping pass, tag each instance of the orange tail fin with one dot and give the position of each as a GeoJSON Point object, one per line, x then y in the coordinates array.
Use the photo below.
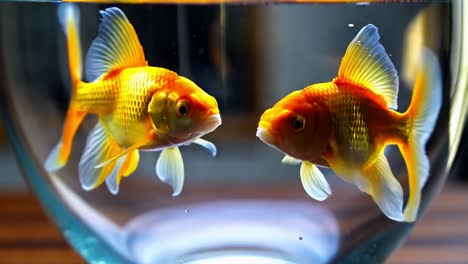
{"type": "Point", "coordinates": [422, 115]}
{"type": "Point", "coordinates": [69, 18]}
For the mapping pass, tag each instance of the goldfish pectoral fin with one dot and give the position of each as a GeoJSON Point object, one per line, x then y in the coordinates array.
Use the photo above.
{"type": "Point", "coordinates": [207, 145]}
{"type": "Point", "coordinates": [99, 148]}
{"type": "Point", "coordinates": [170, 169]}
{"type": "Point", "coordinates": [366, 64]}
{"type": "Point", "coordinates": [126, 151]}
{"type": "Point", "coordinates": [288, 160]}
{"type": "Point", "coordinates": [378, 181]}
{"type": "Point", "coordinates": [314, 182]}
{"type": "Point", "coordinates": [59, 155]}
{"type": "Point", "coordinates": [117, 46]}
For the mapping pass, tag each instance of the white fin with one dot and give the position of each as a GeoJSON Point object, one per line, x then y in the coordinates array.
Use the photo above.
{"type": "Point", "coordinates": [207, 145]}
{"type": "Point", "coordinates": [314, 182]}
{"type": "Point", "coordinates": [366, 64]}
{"type": "Point", "coordinates": [116, 46]}
{"type": "Point", "coordinates": [113, 180]}
{"type": "Point", "coordinates": [288, 160]}
{"type": "Point", "coordinates": [170, 169]}
{"type": "Point", "coordinates": [99, 148]}
{"type": "Point", "coordinates": [378, 181]}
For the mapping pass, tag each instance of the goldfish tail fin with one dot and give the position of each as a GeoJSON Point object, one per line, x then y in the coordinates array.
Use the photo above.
{"type": "Point", "coordinates": [382, 186]}
{"type": "Point", "coordinates": [170, 169]}
{"type": "Point", "coordinates": [59, 155]}
{"type": "Point", "coordinates": [69, 17]}
{"type": "Point", "coordinates": [422, 115]}
{"type": "Point", "coordinates": [100, 147]}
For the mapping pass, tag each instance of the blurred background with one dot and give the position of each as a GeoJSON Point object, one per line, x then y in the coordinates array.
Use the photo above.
{"type": "Point", "coordinates": [27, 236]}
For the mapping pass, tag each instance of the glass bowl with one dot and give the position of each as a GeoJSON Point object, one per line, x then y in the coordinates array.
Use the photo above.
{"type": "Point", "coordinates": [244, 205]}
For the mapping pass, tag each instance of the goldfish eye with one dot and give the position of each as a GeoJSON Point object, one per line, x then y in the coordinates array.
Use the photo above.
{"type": "Point", "coordinates": [183, 109]}
{"type": "Point", "coordinates": [297, 123]}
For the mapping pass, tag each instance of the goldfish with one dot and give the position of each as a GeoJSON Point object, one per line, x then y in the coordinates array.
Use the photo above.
{"type": "Point", "coordinates": [347, 123]}
{"type": "Point", "coordinates": [139, 107]}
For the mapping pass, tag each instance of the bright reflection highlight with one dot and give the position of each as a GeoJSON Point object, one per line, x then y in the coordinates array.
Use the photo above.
{"type": "Point", "coordinates": [235, 232]}
{"type": "Point", "coordinates": [239, 259]}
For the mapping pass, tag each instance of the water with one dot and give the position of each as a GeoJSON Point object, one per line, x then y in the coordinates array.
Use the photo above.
{"type": "Point", "coordinates": [243, 206]}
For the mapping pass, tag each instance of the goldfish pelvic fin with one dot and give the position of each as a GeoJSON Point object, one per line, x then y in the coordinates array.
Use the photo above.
{"type": "Point", "coordinates": [366, 64]}
{"type": "Point", "coordinates": [69, 18]}
{"type": "Point", "coordinates": [170, 169]}
{"type": "Point", "coordinates": [422, 113]}
{"type": "Point", "coordinates": [314, 182]}
{"type": "Point", "coordinates": [58, 157]}
{"type": "Point", "coordinates": [288, 160]}
{"type": "Point", "coordinates": [116, 46]}
{"type": "Point", "coordinates": [378, 181]}
{"type": "Point", "coordinates": [99, 148]}
{"type": "Point", "coordinates": [125, 166]}
{"type": "Point", "coordinates": [207, 145]}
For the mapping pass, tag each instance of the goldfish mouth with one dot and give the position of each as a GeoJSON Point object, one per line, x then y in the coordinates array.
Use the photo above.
{"type": "Point", "coordinates": [211, 123]}
{"type": "Point", "coordinates": [265, 136]}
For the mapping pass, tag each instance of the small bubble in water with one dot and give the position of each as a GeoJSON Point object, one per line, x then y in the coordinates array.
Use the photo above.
{"type": "Point", "coordinates": [187, 211]}
{"type": "Point", "coordinates": [390, 55]}
{"type": "Point", "coordinates": [350, 25]}
{"type": "Point", "coordinates": [300, 238]}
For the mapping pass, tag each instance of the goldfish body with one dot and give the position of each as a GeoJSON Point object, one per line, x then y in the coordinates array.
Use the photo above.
{"type": "Point", "coordinates": [139, 107]}
{"type": "Point", "coordinates": [346, 124]}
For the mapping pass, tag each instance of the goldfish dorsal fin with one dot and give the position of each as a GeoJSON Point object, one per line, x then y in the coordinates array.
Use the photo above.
{"type": "Point", "coordinates": [366, 64]}
{"type": "Point", "coordinates": [116, 46]}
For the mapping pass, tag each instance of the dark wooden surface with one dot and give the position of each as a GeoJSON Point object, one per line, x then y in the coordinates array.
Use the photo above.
{"type": "Point", "coordinates": [28, 236]}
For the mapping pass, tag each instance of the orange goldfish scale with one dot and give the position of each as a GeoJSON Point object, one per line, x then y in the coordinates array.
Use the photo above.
{"type": "Point", "coordinates": [362, 124]}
